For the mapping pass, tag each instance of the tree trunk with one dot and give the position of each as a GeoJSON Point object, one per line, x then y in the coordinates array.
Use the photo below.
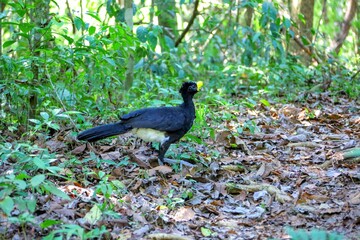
{"type": "Point", "coordinates": [152, 10]}
{"type": "Point", "coordinates": [2, 7]}
{"type": "Point", "coordinates": [306, 8]}
{"type": "Point", "coordinates": [167, 17]}
{"type": "Point", "coordinates": [39, 15]}
{"type": "Point", "coordinates": [345, 26]}
{"type": "Point", "coordinates": [358, 30]}
{"type": "Point", "coordinates": [129, 75]}
{"type": "Point", "coordinates": [249, 16]}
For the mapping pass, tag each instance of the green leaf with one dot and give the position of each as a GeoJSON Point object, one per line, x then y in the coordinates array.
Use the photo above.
{"type": "Point", "coordinates": [39, 163]}
{"type": "Point", "coordinates": [157, 30]}
{"type": "Point", "coordinates": [26, 27]}
{"type": "Point", "coordinates": [265, 102]}
{"type": "Point", "coordinates": [48, 223]}
{"type": "Point", "coordinates": [37, 122]}
{"type": "Point", "coordinates": [169, 42]}
{"type": "Point", "coordinates": [8, 43]}
{"type": "Point", "coordinates": [44, 115]}
{"type": "Point", "coordinates": [93, 215]}
{"type": "Point", "coordinates": [29, 75]}
{"type": "Point", "coordinates": [55, 111]}
{"type": "Point", "coordinates": [62, 115]}
{"type": "Point", "coordinates": [269, 9]}
{"type": "Point", "coordinates": [94, 15]}
{"type": "Point", "coordinates": [38, 179]}
{"type": "Point", "coordinates": [69, 39]}
{"type": "Point", "coordinates": [305, 41]}
{"type": "Point", "coordinates": [287, 23]}
{"type": "Point", "coordinates": [7, 205]}
{"type": "Point", "coordinates": [20, 203]}
{"type": "Point", "coordinates": [212, 133]}
{"type": "Point", "coordinates": [142, 33]}
{"type": "Point", "coordinates": [54, 190]}
{"type": "Point", "coordinates": [195, 138]}
{"type": "Point", "coordinates": [3, 15]}
{"type": "Point", "coordinates": [31, 204]}
{"type": "Point", "coordinates": [302, 18]}
{"type": "Point", "coordinates": [152, 39]}
{"type": "Point", "coordinates": [110, 61]}
{"type": "Point", "coordinates": [20, 184]}
{"type": "Point", "coordinates": [92, 30]}
{"type": "Point", "coordinates": [54, 126]}
{"type": "Point", "coordinates": [79, 23]}
{"type": "Point", "coordinates": [205, 232]}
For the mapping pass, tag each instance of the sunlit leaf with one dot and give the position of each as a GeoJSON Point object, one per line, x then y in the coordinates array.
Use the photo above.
{"type": "Point", "coordinates": [93, 215]}
{"type": "Point", "coordinates": [48, 223]}
{"type": "Point", "coordinates": [79, 23]}
{"type": "Point", "coordinates": [38, 179]}
{"type": "Point", "coordinates": [44, 115]}
{"type": "Point", "coordinates": [206, 232]}
{"type": "Point", "coordinates": [8, 43]}
{"type": "Point", "coordinates": [7, 205]}
{"type": "Point", "coordinates": [142, 33]}
{"type": "Point", "coordinates": [54, 190]}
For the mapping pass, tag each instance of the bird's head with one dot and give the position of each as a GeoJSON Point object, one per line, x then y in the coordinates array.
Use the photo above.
{"type": "Point", "coordinates": [191, 87]}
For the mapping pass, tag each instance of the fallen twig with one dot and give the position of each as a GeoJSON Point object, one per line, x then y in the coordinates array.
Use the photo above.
{"type": "Point", "coordinates": [280, 196]}
{"type": "Point", "coordinates": [166, 236]}
{"type": "Point", "coordinates": [352, 156]}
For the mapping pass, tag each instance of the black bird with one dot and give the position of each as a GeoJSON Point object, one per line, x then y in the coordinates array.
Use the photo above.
{"type": "Point", "coordinates": [165, 125]}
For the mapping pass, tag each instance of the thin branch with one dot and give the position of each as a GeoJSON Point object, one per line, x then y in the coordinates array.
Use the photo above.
{"type": "Point", "coordinates": [191, 22]}
{"type": "Point", "coordinates": [69, 14]}
{"type": "Point", "coordinates": [354, 75]}
{"type": "Point", "coordinates": [323, 11]}
{"type": "Point", "coordinates": [346, 24]}
{"type": "Point", "coordinates": [211, 36]}
{"type": "Point", "coordinates": [307, 50]}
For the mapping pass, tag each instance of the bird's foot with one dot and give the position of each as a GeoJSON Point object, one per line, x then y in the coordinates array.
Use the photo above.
{"type": "Point", "coordinates": [174, 161]}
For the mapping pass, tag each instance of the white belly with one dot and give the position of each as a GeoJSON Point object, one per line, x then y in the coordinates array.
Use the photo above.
{"type": "Point", "coordinates": [150, 135]}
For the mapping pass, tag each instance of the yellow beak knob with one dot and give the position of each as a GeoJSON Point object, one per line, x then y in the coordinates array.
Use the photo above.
{"type": "Point", "coordinates": [199, 85]}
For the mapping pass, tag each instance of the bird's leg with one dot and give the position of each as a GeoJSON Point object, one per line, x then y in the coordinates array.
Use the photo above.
{"type": "Point", "coordinates": [162, 150]}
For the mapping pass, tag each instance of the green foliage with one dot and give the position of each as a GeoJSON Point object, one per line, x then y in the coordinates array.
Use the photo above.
{"type": "Point", "coordinates": [27, 177]}
{"type": "Point", "coordinates": [91, 62]}
{"type": "Point", "coordinates": [173, 201]}
{"type": "Point", "coordinates": [49, 121]}
{"type": "Point", "coordinates": [84, 71]}
{"type": "Point", "coordinates": [68, 231]}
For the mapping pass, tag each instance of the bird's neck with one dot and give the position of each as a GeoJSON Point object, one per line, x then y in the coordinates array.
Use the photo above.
{"type": "Point", "coordinates": [188, 102]}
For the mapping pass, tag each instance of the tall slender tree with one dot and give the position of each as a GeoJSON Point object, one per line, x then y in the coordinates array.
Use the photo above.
{"type": "Point", "coordinates": [39, 16]}
{"type": "Point", "coordinates": [167, 17]}
{"type": "Point", "coordinates": [129, 75]}
{"type": "Point", "coordinates": [302, 11]}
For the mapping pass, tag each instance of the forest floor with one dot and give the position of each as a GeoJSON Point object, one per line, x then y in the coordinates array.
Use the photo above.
{"type": "Point", "coordinates": [297, 171]}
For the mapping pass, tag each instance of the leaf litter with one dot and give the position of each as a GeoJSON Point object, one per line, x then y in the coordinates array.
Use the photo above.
{"type": "Point", "coordinates": [298, 168]}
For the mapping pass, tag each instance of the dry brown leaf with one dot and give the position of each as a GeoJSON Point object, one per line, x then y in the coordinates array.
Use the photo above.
{"type": "Point", "coordinates": [79, 149]}
{"type": "Point", "coordinates": [354, 198]}
{"type": "Point", "coordinates": [160, 169]}
{"type": "Point", "coordinates": [54, 145]}
{"type": "Point", "coordinates": [184, 214]}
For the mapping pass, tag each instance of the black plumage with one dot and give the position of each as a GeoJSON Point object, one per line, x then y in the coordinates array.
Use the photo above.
{"type": "Point", "coordinates": [162, 124]}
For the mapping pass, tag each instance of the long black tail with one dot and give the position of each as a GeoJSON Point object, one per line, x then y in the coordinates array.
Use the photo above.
{"type": "Point", "coordinates": [103, 131]}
